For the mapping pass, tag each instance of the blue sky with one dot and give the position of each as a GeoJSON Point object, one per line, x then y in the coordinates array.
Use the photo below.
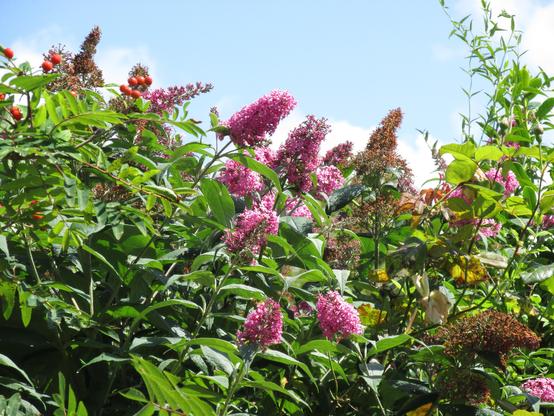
{"type": "Point", "coordinates": [350, 61]}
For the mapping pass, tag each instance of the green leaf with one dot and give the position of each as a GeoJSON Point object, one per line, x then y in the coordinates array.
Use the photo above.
{"type": "Point", "coordinates": [215, 343]}
{"type": "Point", "coordinates": [388, 343]}
{"type": "Point", "coordinates": [321, 345]}
{"type": "Point", "coordinates": [488, 153]}
{"type": "Point", "coordinates": [217, 360]}
{"type": "Point", "coordinates": [7, 362]}
{"type": "Point", "coordinates": [219, 200]}
{"type": "Point", "coordinates": [545, 108]}
{"type": "Point", "coordinates": [283, 358]}
{"type": "Point", "coordinates": [341, 197]}
{"type": "Point", "coordinates": [460, 171]}
{"type": "Point", "coordinates": [31, 82]}
{"type": "Point", "coordinates": [102, 259]}
{"type": "Point", "coordinates": [463, 151]}
{"type": "Point", "coordinates": [538, 274]}
{"type": "Point", "coordinates": [243, 291]}
{"type": "Point", "coordinates": [259, 168]}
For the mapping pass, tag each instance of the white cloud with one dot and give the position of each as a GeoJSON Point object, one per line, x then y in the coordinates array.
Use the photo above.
{"type": "Point", "coordinates": [31, 47]}
{"type": "Point", "coordinates": [533, 17]}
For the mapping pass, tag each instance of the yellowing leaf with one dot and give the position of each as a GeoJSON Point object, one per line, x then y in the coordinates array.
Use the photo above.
{"type": "Point", "coordinates": [379, 275]}
{"type": "Point", "coordinates": [421, 410]}
{"type": "Point", "coordinates": [370, 316]}
{"type": "Point", "coordinates": [526, 413]}
{"type": "Point", "coordinates": [468, 270]}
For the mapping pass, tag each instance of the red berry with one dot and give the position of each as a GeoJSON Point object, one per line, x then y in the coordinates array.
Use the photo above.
{"type": "Point", "coordinates": [125, 89]}
{"type": "Point", "coordinates": [135, 94]}
{"type": "Point", "coordinates": [8, 53]}
{"type": "Point", "coordinates": [16, 113]}
{"type": "Point", "coordinates": [47, 66]}
{"type": "Point", "coordinates": [132, 81]}
{"type": "Point", "coordinates": [74, 93]}
{"type": "Point", "coordinates": [148, 80]}
{"type": "Point", "coordinates": [141, 80]}
{"type": "Point", "coordinates": [2, 96]}
{"type": "Point", "coordinates": [38, 216]}
{"type": "Point", "coordinates": [34, 202]}
{"type": "Point", "coordinates": [56, 58]}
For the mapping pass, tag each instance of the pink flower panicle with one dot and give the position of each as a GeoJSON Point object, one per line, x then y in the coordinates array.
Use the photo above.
{"type": "Point", "coordinates": [299, 154]}
{"type": "Point", "coordinates": [548, 221]}
{"type": "Point", "coordinates": [329, 179]}
{"type": "Point", "coordinates": [165, 99]}
{"type": "Point", "coordinates": [488, 228]}
{"type": "Point", "coordinates": [266, 156]}
{"type": "Point", "coordinates": [510, 182]}
{"type": "Point", "coordinates": [339, 155]}
{"type": "Point", "coordinates": [543, 388]}
{"type": "Point", "coordinates": [240, 180]}
{"type": "Point", "coordinates": [294, 206]}
{"type": "Point", "coordinates": [459, 193]}
{"type": "Point", "coordinates": [251, 230]}
{"type": "Point", "coordinates": [250, 125]}
{"type": "Point", "coordinates": [337, 317]}
{"type": "Point", "coordinates": [263, 326]}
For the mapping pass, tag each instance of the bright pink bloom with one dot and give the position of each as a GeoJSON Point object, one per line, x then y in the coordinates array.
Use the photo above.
{"type": "Point", "coordinates": [543, 388]}
{"type": "Point", "coordinates": [252, 123]}
{"type": "Point", "coordinates": [489, 227]}
{"type": "Point", "coordinates": [266, 156]}
{"type": "Point", "coordinates": [329, 179]}
{"type": "Point", "coordinates": [510, 182]}
{"type": "Point", "coordinates": [294, 206]}
{"type": "Point", "coordinates": [240, 180]}
{"type": "Point", "coordinates": [547, 221]}
{"type": "Point", "coordinates": [251, 230]}
{"type": "Point", "coordinates": [263, 326]}
{"type": "Point", "coordinates": [299, 154]}
{"type": "Point", "coordinates": [337, 317]}
{"type": "Point", "coordinates": [165, 99]}
{"type": "Point", "coordinates": [459, 193]}
{"type": "Point", "coordinates": [339, 155]}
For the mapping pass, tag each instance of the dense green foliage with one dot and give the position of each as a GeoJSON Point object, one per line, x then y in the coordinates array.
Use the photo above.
{"type": "Point", "coordinates": [120, 296]}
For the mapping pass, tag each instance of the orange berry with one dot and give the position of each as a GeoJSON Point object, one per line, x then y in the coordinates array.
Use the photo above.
{"type": "Point", "coordinates": [56, 58]}
{"type": "Point", "coordinates": [8, 53]}
{"type": "Point", "coordinates": [47, 66]}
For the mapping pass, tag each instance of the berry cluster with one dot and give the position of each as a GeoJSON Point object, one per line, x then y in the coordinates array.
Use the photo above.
{"type": "Point", "coordinates": [133, 83]}
{"type": "Point", "coordinates": [48, 64]}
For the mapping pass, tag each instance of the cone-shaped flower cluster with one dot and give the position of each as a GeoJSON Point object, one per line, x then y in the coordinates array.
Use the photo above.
{"type": "Point", "coordinates": [543, 388]}
{"type": "Point", "coordinates": [251, 230]}
{"type": "Point", "coordinates": [240, 180]}
{"type": "Point", "coordinates": [299, 154]}
{"type": "Point", "coordinates": [329, 179]}
{"type": "Point", "coordinates": [263, 326]}
{"type": "Point", "coordinates": [250, 125]}
{"type": "Point", "coordinates": [337, 317]}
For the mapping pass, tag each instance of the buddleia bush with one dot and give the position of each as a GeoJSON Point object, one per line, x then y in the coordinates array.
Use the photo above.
{"type": "Point", "coordinates": [154, 264]}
